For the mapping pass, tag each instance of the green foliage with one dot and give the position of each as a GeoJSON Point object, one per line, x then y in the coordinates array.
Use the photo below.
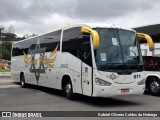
{"type": "Point", "coordinates": [6, 46]}
{"type": "Point", "coordinates": [9, 37]}
{"type": "Point", "coordinates": [1, 51]}
{"type": "Point", "coordinates": [20, 38]}
{"type": "Point", "coordinates": [5, 50]}
{"type": "Point", "coordinates": [5, 70]}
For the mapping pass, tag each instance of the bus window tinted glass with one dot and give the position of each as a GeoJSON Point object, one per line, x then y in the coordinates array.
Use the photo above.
{"type": "Point", "coordinates": [77, 44]}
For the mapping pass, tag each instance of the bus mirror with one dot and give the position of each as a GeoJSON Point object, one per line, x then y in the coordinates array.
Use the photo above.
{"type": "Point", "coordinates": [148, 39]}
{"type": "Point", "coordinates": [94, 34]}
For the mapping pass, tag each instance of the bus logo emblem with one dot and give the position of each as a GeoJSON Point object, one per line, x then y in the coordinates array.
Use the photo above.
{"type": "Point", "coordinates": [112, 76]}
{"type": "Point", "coordinates": [43, 61]}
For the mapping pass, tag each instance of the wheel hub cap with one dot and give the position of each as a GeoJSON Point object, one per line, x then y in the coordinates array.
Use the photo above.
{"type": "Point", "coordinates": [68, 88]}
{"type": "Point", "coordinates": [155, 86]}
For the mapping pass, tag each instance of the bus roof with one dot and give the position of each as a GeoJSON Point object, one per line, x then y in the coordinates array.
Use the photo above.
{"type": "Point", "coordinates": [91, 25]}
{"type": "Point", "coordinates": [97, 25]}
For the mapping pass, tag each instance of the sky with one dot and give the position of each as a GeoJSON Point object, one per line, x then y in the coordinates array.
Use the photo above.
{"type": "Point", "coordinates": [40, 16]}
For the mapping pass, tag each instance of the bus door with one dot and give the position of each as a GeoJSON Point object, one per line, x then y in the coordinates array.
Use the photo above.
{"type": "Point", "coordinates": [86, 70]}
{"type": "Point", "coordinates": [86, 79]}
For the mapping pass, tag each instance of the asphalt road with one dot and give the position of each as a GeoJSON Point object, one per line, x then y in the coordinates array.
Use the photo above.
{"type": "Point", "coordinates": [33, 98]}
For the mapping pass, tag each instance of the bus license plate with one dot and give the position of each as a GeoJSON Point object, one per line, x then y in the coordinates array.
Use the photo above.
{"type": "Point", "coordinates": [124, 90]}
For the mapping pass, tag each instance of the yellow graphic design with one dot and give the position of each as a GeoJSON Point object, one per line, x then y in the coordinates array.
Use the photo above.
{"type": "Point", "coordinates": [47, 61]}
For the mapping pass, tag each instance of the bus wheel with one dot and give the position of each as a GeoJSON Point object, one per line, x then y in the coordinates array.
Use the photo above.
{"type": "Point", "coordinates": [68, 90]}
{"type": "Point", "coordinates": [22, 81]}
{"type": "Point", "coordinates": [154, 86]}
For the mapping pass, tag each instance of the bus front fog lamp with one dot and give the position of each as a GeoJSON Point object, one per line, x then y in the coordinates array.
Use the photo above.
{"type": "Point", "coordinates": [102, 82]}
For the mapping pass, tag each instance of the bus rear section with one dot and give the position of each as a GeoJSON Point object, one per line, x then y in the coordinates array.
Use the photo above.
{"type": "Point", "coordinates": [152, 68]}
{"type": "Point", "coordinates": [151, 59]}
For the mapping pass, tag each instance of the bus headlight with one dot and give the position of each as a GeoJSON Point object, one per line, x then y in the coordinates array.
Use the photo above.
{"type": "Point", "coordinates": [102, 82]}
{"type": "Point", "coordinates": [142, 82]}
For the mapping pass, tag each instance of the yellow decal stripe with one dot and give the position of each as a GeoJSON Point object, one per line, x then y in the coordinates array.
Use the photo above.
{"type": "Point", "coordinates": [53, 52]}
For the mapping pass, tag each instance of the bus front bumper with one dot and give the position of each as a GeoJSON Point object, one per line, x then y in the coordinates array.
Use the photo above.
{"type": "Point", "coordinates": [119, 89]}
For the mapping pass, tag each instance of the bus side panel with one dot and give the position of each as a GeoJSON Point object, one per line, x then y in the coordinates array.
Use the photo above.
{"type": "Point", "coordinates": [52, 76]}
{"type": "Point", "coordinates": [18, 66]}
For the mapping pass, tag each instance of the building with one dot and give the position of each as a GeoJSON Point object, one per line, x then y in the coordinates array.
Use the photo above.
{"type": "Point", "coordinates": [152, 30]}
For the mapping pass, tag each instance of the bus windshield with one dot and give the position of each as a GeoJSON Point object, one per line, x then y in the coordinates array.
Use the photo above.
{"type": "Point", "coordinates": [118, 50]}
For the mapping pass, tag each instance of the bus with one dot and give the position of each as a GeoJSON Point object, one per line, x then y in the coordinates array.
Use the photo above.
{"type": "Point", "coordinates": [151, 58]}
{"type": "Point", "coordinates": [96, 60]}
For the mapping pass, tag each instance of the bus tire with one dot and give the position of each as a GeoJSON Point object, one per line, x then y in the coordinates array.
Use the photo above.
{"type": "Point", "coordinates": [154, 86]}
{"type": "Point", "coordinates": [22, 81]}
{"type": "Point", "coordinates": [68, 90]}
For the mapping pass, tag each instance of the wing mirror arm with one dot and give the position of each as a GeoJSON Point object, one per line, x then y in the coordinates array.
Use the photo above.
{"type": "Point", "coordinates": [94, 34]}
{"type": "Point", "coordinates": [148, 39]}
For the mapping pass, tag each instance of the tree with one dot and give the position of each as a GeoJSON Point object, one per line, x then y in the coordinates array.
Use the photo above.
{"type": "Point", "coordinates": [9, 37]}
{"type": "Point", "coordinates": [20, 38]}
{"type": "Point", "coordinates": [30, 35]}
{"type": "Point", "coordinates": [6, 50]}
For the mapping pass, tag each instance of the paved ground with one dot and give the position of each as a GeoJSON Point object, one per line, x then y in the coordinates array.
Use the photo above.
{"type": "Point", "coordinates": [33, 98]}
{"type": "Point", "coordinates": [5, 74]}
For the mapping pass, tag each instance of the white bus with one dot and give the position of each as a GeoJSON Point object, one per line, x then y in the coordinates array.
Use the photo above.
{"type": "Point", "coordinates": [151, 59]}
{"type": "Point", "coordinates": [96, 60]}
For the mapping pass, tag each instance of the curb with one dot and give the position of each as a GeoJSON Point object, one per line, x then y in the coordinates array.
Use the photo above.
{"type": "Point", "coordinates": [5, 74]}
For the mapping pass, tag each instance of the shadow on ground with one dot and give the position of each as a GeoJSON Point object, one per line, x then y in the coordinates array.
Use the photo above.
{"type": "Point", "coordinates": [101, 102]}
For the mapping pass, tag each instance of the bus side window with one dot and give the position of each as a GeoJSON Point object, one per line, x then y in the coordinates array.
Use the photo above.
{"type": "Point", "coordinates": [50, 41]}
{"type": "Point", "coordinates": [17, 49]}
{"type": "Point", "coordinates": [77, 44]}
{"type": "Point", "coordinates": [71, 41]}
